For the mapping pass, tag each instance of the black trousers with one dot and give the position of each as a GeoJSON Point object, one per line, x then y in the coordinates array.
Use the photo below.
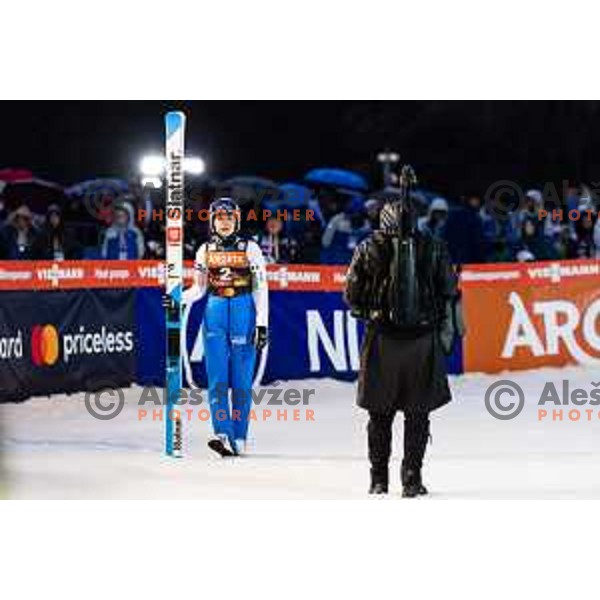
{"type": "Point", "coordinates": [416, 434]}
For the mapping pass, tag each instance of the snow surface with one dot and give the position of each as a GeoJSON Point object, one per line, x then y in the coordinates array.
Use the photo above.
{"type": "Point", "coordinates": [54, 449]}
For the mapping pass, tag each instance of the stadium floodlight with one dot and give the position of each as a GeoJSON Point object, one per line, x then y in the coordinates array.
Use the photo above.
{"type": "Point", "coordinates": [388, 157]}
{"type": "Point", "coordinates": [193, 165]}
{"type": "Point", "coordinates": [152, 166]}
{"type": "Point", "coordinates": [153, 182]}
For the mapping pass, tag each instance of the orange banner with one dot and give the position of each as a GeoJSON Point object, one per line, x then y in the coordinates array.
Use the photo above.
{"type": "Point", "coordinates": [64, 275]}
{"type": "Point", "coordinates": [528, 315]}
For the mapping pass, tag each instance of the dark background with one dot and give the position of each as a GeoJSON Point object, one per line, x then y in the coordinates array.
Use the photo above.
{"type": "Point", "coordinates": [457, 147]}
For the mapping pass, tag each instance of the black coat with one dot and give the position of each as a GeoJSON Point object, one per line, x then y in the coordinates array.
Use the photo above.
{"type": "Point", "coordinates": [402, 367]}
{"type": "Point", "coordinates": [44, 248]}
{"type": "Point", "coordinates": [399, 372]}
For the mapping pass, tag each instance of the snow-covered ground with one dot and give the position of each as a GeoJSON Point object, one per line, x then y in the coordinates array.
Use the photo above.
{"type": "Point", "coordinates": [54, 449]}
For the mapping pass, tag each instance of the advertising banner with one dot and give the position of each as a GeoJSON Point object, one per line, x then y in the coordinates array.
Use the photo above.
{"type": "Point", "coordinates": [74, 326]}
{"type": "Point", "coordinates": [52, 342]}
{"type": "Point", "coordinates": [103, 274]}
{"type": "Point", "coordinates": [311, 335]}
{"type": "Point", "coordinates": [529, 315]}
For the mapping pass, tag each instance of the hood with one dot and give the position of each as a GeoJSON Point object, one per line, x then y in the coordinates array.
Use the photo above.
{"type": "Point", "coordinates": [536, 196]}
{"type": "Point", "coordinates": [128, 208]}
{"type": "Point", "coordinates": [437, 204]}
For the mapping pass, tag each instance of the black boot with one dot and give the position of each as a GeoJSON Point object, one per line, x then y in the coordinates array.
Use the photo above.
{"type": "Point", "coordinates": [416, 435]}
{"type": "Point", "coordinates": [380, 447]}
{"type": "Point", "coordinates": [379, 481]}
{"type": "Point", "coordinates": [412, 484]}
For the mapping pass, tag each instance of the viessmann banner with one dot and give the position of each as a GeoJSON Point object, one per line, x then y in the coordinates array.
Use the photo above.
{"type": "Point", "coordinates": [101, 274]}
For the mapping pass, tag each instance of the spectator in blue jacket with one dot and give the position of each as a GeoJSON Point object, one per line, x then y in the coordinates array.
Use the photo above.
{"type": "Point", "coordinates": [499, 239]}
{"type": "Point", "coordinates": [343, 233]}
{"type": "Point", "coordinates": [463, 231]}
{"type": "Point", "coordinates": [123, 240]}
{"type": "Point", "coordinates": [435, 220]}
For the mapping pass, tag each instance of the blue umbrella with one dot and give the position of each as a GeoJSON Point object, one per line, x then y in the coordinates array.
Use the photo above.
{"type": "Point", "coordinates": [295, 195]}
{"type": "Point", "coordinates": [338, 178]}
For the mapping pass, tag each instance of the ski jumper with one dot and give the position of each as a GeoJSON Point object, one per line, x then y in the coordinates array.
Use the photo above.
{"type": "Point", "coordinates": [233, 273]}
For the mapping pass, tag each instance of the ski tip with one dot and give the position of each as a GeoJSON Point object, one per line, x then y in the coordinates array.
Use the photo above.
{"type": "Point", "coordinates": [174, 121]}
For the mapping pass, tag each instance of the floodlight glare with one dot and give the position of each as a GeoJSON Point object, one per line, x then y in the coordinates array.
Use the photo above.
{"type": "Point", "coordinates": [193, 165]}
{"type": "Point", "coordinates": [152, 166]}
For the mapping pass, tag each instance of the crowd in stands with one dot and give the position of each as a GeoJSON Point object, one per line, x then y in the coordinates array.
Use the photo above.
{"type": "Point", "coordinates": [340, 220]}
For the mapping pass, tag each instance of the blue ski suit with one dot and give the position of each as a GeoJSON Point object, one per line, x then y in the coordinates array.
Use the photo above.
{"type": "Point", "coordinates": [233, 273]}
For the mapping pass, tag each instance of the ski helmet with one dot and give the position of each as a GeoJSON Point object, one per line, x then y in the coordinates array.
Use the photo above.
{"type": "Point", "coordinates": [224, 206]}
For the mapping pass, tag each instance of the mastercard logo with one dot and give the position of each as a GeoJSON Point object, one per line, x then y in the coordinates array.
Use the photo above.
{"type": "Point", "coordinates": [44, 345]}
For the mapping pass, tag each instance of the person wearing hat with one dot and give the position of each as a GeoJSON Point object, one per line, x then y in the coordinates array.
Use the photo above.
{"type": "Point", "coordinates": [19, 236]}
{"type": "Point", "coordinates": [401, 284]}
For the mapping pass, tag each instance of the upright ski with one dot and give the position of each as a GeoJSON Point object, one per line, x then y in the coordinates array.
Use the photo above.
{"type": "Point", "coordinates": [175, 129]}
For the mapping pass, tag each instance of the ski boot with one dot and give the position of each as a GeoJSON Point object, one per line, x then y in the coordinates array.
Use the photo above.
{"type": "Point", "coordinates": [222, 446]}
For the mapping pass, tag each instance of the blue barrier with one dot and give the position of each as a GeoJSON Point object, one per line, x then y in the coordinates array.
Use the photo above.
{"type": "Point", "coordinates": [312, 335]}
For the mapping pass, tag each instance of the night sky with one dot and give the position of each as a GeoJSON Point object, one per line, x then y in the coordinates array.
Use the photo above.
{"type": "Point", "coordinates": [456, 147]}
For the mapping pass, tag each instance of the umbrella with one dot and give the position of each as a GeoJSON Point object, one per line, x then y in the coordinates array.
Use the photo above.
{"type": "Point", "coordinates": [251, 181]}
{"type": "Point", "coordinates": [250, 191]}
{"type": "Point", "coordinates": [12, 175]}
{"type": "Point", "coordinates": [294, 195]}
{"type": "Point", "coordinates": [338, 178]}
{"type": "Point", "coordinates": [95, 197]}
{"type": "Point", "coordinates": [107, 186]}
{"type": "Point", "coordinates": [19, 186]}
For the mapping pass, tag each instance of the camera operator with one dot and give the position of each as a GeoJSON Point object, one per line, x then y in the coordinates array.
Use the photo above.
{"type": "Point", "coordinates": [401, 283]}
